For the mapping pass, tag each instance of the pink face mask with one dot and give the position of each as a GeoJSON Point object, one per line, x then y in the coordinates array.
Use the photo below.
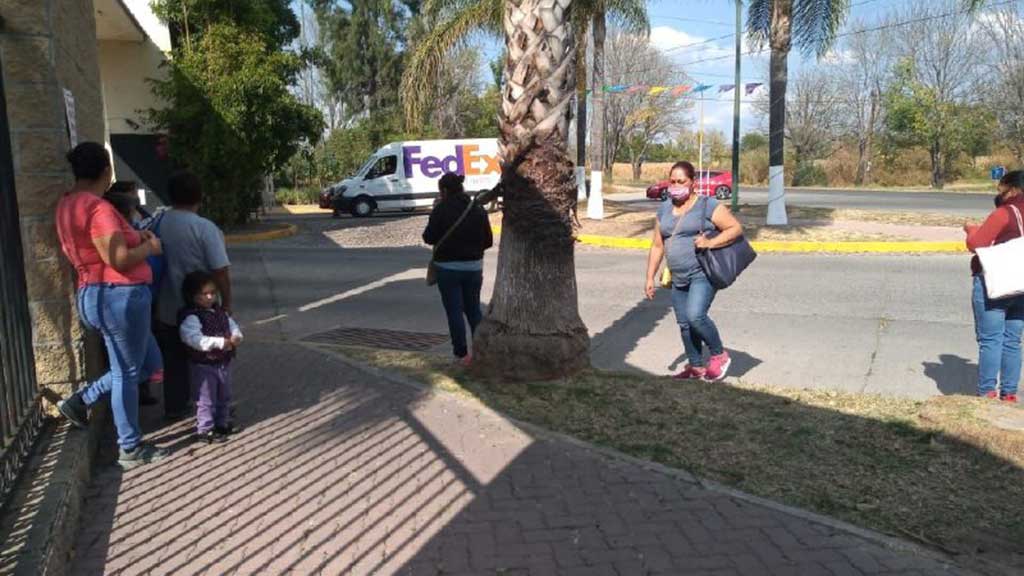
{"type": "Point", "coordinates": [677, 192]}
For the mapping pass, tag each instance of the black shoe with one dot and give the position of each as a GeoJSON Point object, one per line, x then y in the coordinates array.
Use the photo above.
{"type": "Point", "coordinates": [141, 454]}
{"type": "Point", "coordinates": [75, 410]}
{"type": "Point", "coordinates": [211, 436]}
{"type": "Point", "coordinates": [228, 430]}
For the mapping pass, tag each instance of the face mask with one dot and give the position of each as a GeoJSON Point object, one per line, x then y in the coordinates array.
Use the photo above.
{"type": "Point", "coordinates": [678, 192]}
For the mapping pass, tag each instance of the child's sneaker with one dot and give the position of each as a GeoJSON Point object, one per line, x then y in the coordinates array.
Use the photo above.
{"type": "Point", "coordinates": [140, 455]}
{"type": "Point", "coordinates": [225, 431]}
{"type": "Point", "coordinates": [991, 395]}
{"type": "Point", "coordinates": [691, 373]}
{"type": "Point", "coordinates": [211, 436]}
{"type": "Point", "coordinates": [718, 366]}
{"type": "Point", "coordinates": [1011, 398]}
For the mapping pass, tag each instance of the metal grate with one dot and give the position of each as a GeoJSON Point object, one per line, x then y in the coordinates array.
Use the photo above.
{"type": "Point", "coordinates": [379, 338]}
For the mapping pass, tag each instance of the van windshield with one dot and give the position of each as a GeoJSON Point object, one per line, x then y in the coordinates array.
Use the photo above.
{"type": "Point", "coordinates": [366, 166]}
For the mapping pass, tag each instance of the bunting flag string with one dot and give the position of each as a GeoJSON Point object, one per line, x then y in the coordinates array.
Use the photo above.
{"type": "Point", "coordinates": [677, 91]}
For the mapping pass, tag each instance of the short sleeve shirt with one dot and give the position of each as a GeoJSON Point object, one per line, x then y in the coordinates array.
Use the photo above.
{"type": "Point", "coordinates": [191, 243]}
{"type": "Point", "coordinates": [681, 254]}
{"type": "Point", "coordinates": [83, 217]}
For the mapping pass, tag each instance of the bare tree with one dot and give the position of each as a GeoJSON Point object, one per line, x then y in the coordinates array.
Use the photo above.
{"type": "Point", "coordinates": [1006, 91]}
{"type": "Point", "coordinates": [458, 82]}
{"type": "Point", "coordinates": [635, 119]}
{"type": "Point", "coordinates": [866, 62]}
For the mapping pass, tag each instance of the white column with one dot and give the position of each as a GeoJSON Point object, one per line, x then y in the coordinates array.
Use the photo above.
{"type": "Point", "coordinates": [595, 206]}
{"type": "Point", "coordinates": [581, 183]}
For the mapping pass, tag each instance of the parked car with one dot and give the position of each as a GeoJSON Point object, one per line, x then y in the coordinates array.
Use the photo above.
{"type": "Point", "coordinates": [404, 175]}
{"type": "Point", "coordinates": [717, 183]}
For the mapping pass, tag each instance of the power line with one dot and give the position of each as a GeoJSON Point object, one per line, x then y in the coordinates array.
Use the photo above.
{"type": "Point", "coordinates": [891, 25]}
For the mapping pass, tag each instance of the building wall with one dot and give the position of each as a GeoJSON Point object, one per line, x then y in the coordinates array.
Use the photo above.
{"type": "Point", "coordinates": [127, 94]}
{"type": "Point", "coordinates": [45, 46]}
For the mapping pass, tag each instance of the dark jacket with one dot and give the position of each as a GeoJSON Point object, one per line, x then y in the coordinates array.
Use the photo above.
{"type": "Point", "coordinates": [216, 323]}
{"type": "Point", "coordinates": [468, 241]}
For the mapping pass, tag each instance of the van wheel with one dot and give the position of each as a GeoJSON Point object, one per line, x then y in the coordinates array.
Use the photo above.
{"type": "Point", "coordinates": [363, 206]}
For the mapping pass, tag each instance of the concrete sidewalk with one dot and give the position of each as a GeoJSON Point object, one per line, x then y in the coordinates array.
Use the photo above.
{"type": "Point", "coordinates": [340, 472]}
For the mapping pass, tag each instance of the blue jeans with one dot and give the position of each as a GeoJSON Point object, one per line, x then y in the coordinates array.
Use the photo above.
{"type": "Point", "coordinates": [691, 304]}
{"type": "Point", "coordinates": [460, 294]}
{"type": "Point", "coordinates": [998, 325]}
{"type": "Point", "coordinates": [122, 314]}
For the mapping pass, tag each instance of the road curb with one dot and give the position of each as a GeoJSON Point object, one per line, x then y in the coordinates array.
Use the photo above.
{"type": "Point", "coordinates": [244, 238]}
{"type": "Point", "coordinates": [793, 246]}
{"type": "Point", "coordinates": [878, 538]}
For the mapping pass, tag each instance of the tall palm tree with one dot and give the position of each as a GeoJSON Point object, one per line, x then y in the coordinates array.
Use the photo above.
{"type": "Point", "coordinates": [812, 26]}
{"type": "Point", "coordinates": [465, 17]}
{"type": "Point", "coordinates": [533, 329]}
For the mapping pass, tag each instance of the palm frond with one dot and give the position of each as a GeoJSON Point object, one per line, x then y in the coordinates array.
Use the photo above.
{"type": "Point", "coordinates": [816, 22]}
{"type": "Point", "coordinates": [427, 57]}
{"type": "Point", "coordinates": [759, 21]}
{"type": "Point", "coordinates": [630, 15]}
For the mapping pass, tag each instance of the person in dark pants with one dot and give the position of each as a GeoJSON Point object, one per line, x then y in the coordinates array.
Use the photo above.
{"type": "Point", "coordinates": [192, 244]}
{"type": "Point", "coordinates": [459, 258]}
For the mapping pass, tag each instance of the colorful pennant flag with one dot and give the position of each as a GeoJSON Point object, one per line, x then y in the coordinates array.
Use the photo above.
{"type": "Point", "coordinates": [655, 90]}
{"type": "Point", "coordinates": [725, 88]}
{"type": "Point", "coordinates": [752, 86]}
{"type": "Point", "coordinates": [680, 90]}
{"type": "Point", "coordinates": [701, 88]}
{"type": "Point", "coordinates": [635, 89]}
{"type": "Point", "coordinates": [617, 88]}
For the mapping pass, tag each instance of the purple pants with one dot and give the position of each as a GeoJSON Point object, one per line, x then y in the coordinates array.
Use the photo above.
{"type": "Point", "coordinates": [212, 392]}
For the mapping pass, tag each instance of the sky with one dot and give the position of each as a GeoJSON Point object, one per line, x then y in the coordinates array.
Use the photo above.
{"type": "Point", "coordinates": [699, 38]}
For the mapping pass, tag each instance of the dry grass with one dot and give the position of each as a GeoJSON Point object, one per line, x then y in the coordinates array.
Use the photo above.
{"type": "Point", "coordinates": [931, 471]}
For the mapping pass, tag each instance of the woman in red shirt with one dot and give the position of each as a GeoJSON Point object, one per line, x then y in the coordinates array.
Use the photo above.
{"type": "Point", "coordinates": [109, 257]}
{"type": "Point", "coordinates": [998, 323]}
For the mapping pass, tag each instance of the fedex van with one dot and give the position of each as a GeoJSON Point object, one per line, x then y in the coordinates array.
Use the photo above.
{"type": "Point", "coordinates": [404, 175]}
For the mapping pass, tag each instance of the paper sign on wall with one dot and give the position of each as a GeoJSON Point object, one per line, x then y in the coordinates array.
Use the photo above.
{"type": "Point", "coordinates": [69, 111]}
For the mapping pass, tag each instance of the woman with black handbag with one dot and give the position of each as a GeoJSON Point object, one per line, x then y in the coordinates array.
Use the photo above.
{"type": "Point", "coordinates": [460, 232]}
{"type": "Point", "coordinates": [678, 237]}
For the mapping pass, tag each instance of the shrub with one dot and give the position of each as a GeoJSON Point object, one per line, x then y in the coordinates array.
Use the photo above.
{"type": "Point", "coordinates": [293, 196]}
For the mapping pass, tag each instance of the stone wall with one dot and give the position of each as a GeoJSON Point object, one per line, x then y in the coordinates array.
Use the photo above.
{"type": "Point", "coordinates": [45, 46]}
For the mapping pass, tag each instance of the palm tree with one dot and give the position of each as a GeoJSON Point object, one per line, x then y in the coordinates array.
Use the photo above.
{"type": "Point", "coordinates": [812, 25]}
{"type": "Point", "coordinates": [533, 329]}
{"type": "Point", "coordinates": [466, 17]}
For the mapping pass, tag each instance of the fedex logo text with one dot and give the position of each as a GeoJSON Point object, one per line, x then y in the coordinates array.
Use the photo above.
{"type": "Point", "coordinates": [467, 161]}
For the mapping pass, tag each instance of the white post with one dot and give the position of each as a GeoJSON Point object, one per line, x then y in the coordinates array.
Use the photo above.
{"type": "Point", "coordinates": [595, 206]}
{"type": "Point", "coordinates": [776, 197]}
{"type": "Point", "coordinates": [581, 183]}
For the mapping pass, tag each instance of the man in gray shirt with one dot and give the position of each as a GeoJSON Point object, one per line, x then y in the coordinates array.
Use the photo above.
{"type": "Point", "coordinates": [192, 243]}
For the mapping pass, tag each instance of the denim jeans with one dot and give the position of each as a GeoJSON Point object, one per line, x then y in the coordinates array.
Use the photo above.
{"type": "Point", "coordinates": [122, 314]}
{"type": "Point", "coordinates": [997, 325]}
{"type": "Point", "coordinates": [691, 304]}
{"type": "Point", "coordinates": [460, 294]}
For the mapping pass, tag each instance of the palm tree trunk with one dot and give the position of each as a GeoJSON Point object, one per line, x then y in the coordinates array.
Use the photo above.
{"type": "Point", "coordinates": [597, 156]}
{"type": "Point", "coordinates": [782, 12]}
{"type": "Point", "coordinates": [581, 98]}
{"type": "Point", "coordinates": [533, 329]}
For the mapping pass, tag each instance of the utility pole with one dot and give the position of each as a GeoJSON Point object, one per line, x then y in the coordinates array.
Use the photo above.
{"type": "Point", "coordinates": [736, 110]}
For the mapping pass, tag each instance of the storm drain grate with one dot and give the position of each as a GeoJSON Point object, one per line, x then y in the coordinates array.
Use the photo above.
{"type": "Point", "coordinates": [378, 338]}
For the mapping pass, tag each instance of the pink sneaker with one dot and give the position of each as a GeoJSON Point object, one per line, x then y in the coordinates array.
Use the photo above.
{"type": "Point", "coordinates": [992, 395]}
{"type": "Point", "coordinates": [1011, 398]}
{"type": "Point", "coordinates": [157, 377]}
{"type": "Point", "coordinates": [718, 366]}
{"type": "Point", "coordinates": [463, 362]}
{"type": "Point", "coordinates": [691, 373]}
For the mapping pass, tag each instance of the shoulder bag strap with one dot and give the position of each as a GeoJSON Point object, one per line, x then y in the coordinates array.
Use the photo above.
{"type": "Point", "coordinates": [1020, 221]}
{"type": "Point", "coordinates": [675, 229]}
{"type": "Point", "coordinates": [465, 213]}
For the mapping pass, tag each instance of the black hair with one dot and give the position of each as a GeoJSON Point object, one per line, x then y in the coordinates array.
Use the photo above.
{"type": "Point", "coordinates": [687, 167]}
{"type": "Point", "coordinates": [88, 161]}
{"type": "Point", "coordinates": [184, 189]}
{"type": "Point", "coordinates": [1013, 179]}
{"type": "Point", "coordinates": [193, 283]}
{"type": "Point", "coordinates": [451, 184]}
{"type": "Point", "coordinates": [124, 195]}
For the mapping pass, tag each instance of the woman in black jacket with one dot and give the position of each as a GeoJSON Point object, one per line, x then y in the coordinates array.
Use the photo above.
{"type": "Point", "coordinates": [459, 258]}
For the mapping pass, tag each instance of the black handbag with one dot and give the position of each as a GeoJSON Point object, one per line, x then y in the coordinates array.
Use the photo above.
{"type": "Point", "coordinates": [724, 265]}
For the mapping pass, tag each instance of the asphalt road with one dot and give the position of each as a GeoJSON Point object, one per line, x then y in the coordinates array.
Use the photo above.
{"type": "Point", "coordinates": [883, 324]}
{"type": "Point", "coordinates": [967, 205]}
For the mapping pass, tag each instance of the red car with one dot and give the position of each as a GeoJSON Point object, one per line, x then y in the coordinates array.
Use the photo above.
{"type": "Point", "coordinates": [717, 183]}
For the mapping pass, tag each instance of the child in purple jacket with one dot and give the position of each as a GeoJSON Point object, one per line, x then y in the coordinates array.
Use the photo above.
{"type": "Point", "coordinates": [211, 337]}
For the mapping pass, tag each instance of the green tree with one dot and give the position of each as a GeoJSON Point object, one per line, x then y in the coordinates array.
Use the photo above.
{"type": "Point", "coordinates": [228, 108]}
{"type": "Point", "coordinates": [919, 115]}
{"type": "Point", "coordinates": [812, 25]}
{"type": "Point", "coordinates": [753, 141]}
{"type": "Point", "coordinates": [453, 22]}
{"type": "Point", "coordinates": [272, 20]}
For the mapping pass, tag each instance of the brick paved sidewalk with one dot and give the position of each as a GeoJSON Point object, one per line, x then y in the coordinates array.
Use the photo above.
{"type": "Point", "coordinates": [339, 473]}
